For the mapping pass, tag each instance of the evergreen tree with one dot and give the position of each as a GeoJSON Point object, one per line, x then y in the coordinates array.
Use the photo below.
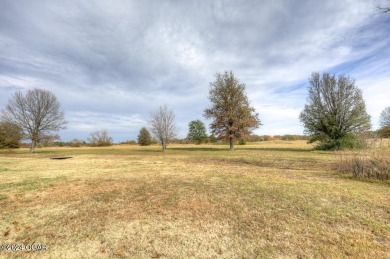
{"type": "Point", "coordinates": [197, 131]}
{"type": "Point", "coordinates": [144, 137]}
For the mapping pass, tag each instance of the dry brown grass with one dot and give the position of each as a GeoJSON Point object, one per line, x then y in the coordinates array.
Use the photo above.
{"type": "Point", "coordinates": [271, 199]}
{"type": "Point", "coordinates": [372, 163]}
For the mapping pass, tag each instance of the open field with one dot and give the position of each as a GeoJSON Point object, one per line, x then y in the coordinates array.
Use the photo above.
{"type": "Point", "coordinates": [269, 199]}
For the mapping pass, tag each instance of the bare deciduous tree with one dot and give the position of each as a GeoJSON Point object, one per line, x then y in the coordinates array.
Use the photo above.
{"type": "Point", "coordinates": [385, 117]}
{"type": "Point", "coordinates": [162, 122]}
{"type": "Point", "coordinates": [383, 6]}
{"type": "Point", "coordinates": [335, 111]}
{"type": "Point", "coordinates": [76, 143]}
{"type": "Point", "coordinates": [37, 112]}
{"type": "Point", "coordinates": [100, 139]}
{"type": "Point", "coordinates": [233, 116]}
{"type": "Point", "coordinates": [49, 140]}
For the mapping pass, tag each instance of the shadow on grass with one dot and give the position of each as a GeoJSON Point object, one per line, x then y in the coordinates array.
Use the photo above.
{"type": "Point", "coordinates": [240, 148]}
{"type": "Point", "coordinates": [278, 149]}
{"type": "Point", "coordinates": [198, 149]}
{"type": "Point", "coordinates": [127, 151]}
{"type": "Point", "coordinates": [348, 176]}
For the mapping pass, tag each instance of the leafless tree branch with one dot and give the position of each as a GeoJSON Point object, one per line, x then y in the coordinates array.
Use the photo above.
{"type": "Point", "coordinates": [36, 113]}
{"type": "Point", "coordinates": [162, 122]}
{"type": "Point", "coordinates": [383, 7]}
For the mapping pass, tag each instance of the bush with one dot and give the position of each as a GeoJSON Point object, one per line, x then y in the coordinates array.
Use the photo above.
{"type": "Point", "coordinates": [60, 144]}
{"type": "Point", "coordinates": [128, 142]}
{"type": "Point", "coordinates": [370, 164]}
{"type": "Point", "coordinates": [100, 139]}
{"type": "Point", "coordinates": [213, 139]}
{"type": "Point", "coordinates": [242, 142]}
{"type": "Point", "coordinates": [349, 141]}
{"type": "Point", "coordinates": [10, 135]}
{"type": "Point", "coordinates": [75, 143]}
{"type": "Point", "coordinates": [384, 132]}
{"type": "Point", "coordinates": [46, 140]}
{"type": "Point", "coordinates": [293, 137]}
{"type": "Point", "coordinates": [182, 141]}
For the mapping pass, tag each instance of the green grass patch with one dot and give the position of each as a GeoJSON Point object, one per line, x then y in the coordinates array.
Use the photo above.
{"type": "Point", "coordinates": [3, 196]}
{"type": "Point", "coordinates": [29, 184]}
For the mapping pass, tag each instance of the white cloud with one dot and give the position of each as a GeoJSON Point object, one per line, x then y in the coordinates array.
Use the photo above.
{"type": "Point", "coordinates": [377, 96]}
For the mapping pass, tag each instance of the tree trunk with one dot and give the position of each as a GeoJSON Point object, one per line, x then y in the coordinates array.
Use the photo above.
{"type": "Point", "coordinates": [231, 143]}
{"type": "Point", "coordinates": [164, 146]}
{"type": "Point", "coordinates": [33, 144]}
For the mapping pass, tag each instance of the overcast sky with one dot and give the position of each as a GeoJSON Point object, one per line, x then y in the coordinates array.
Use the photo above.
{"type": "Point", "coordinates": [111, 62]}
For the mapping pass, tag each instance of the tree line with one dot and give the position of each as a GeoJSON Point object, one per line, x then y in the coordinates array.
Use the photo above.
{"type": "Point", "coordinates": [334, 116]}
{"type": "Point", "coordinates": [145, 138]}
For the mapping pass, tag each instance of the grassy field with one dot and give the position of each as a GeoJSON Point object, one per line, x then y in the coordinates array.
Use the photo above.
{"type": "Point", "coordinates": [269, 199]}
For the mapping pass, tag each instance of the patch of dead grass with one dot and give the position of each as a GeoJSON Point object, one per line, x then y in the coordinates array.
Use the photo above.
{"type": "Point", "coordinates": [192, 204]}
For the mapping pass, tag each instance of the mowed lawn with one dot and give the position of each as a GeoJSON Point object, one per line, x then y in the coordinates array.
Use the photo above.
{"type": "Point", "coordinates": [269, 199]}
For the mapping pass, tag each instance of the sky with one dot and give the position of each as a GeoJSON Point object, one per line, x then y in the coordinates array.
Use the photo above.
{"type": "Point", "coordinates": [112, 62]}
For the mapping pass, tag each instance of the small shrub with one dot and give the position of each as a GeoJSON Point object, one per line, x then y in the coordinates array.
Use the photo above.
{"type": "Point", "coordinates": [182, 141]}
{"type": "Point", "coordinates": [10, 135]}
{"type": "Point", "coordinates": [46, 140]}
{"type": "Point", "coordinates": [242, 142]}
{"type": "Point", "coordinates": [384, 132]}
{"type": "Point", "coordinates": [206, 140]}
{"type": "Point", "coordinates": [100, 139]}
{"type": "Point", "coordinates": [7, 151]}
{"type": "Point", "coordinates": [213, 139]}
{"type": "Point", "coordinates": [75, 143]}
{"type": "Point", "coordinates": [60, 144]}
{"type": "Point", "coordinates": [349, 141]}
{"type": "Point", "coordinates": [370, 164]}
